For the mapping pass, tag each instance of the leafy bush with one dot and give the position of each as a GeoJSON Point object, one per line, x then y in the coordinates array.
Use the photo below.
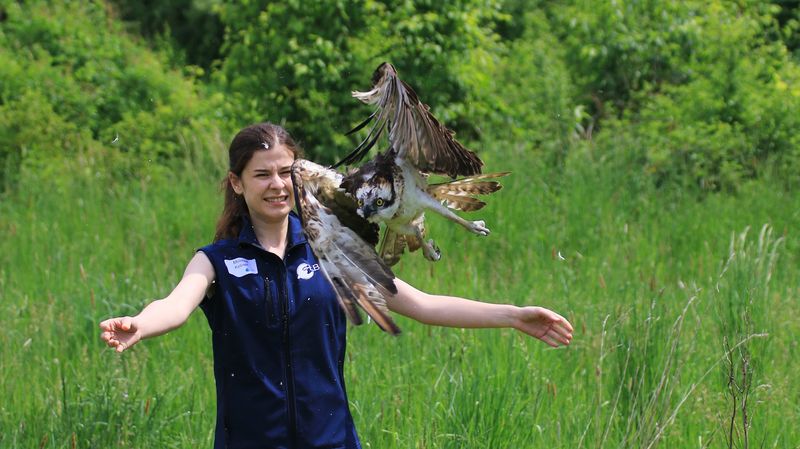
{"type": "Point", "coordinates": [731, 120]}
{"type": "Point", "coordinates": [615, 49]}
{"type": "Point", "coordinates": [77, 88]}
{"type": "Point", "coordinates": [697, 95]}
{"type": "Point", "coordinates": [189, 30]}
{"type": "Point", "coordinates": [296, 62]}
{"type": "Point", "coordinates": [694, 94]}
{"type": "Point", "coordinates": [521, 95]}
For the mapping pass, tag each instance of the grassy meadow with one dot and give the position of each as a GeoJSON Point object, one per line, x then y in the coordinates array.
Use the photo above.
{"type": "Point", "coordinates": [653, 202]}
{"type": "Point", "coordinates": [671, 296]}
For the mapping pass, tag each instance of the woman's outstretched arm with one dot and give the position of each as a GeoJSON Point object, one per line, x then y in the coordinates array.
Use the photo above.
{"type": "Point", "coordinates": [451, 311]}
{"type": "Point", "coordinates": [163, 315]}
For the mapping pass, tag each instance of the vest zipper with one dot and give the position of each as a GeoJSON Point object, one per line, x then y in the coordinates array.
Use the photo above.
{"type": "Point", "coordinates": [269, 302]}
{"type": "Point", "coordinates": [287, 345]}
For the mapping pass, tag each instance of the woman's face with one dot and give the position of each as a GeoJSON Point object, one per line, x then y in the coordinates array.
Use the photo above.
{"type": "Point", "coordinates": [266, 184]}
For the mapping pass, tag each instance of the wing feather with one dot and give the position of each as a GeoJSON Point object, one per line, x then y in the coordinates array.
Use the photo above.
{"type": "Point", "coordinates": [417, 135]}
{"type": "Point", "coordinates": [347, 259]}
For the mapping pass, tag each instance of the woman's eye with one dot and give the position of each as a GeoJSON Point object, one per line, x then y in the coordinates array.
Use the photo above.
{"type": "Point", "coordinates": [379, 202]}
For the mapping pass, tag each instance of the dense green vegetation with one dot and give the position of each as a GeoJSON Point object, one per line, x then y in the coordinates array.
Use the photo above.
{"type": "Point", "coordinates": [651, 143]}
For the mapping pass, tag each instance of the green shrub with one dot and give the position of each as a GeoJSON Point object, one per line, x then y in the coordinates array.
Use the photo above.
{"type": "Point", "coordinates": [731, 121]}
{"type": "Point", "coordinates": [695, 94]}
{"type": "Point", "coordinates": [296, 62]}
{"type": "Point", "coordinates": [701, 94]}
{"type": "Point", "coordinates": [77, 89]}
{"type": "Point", "coordinates": [189, 30]}
{"type": "Point", "coordinates": [615, 49]}
{"type": "Point", "coordinates": [521, 96]}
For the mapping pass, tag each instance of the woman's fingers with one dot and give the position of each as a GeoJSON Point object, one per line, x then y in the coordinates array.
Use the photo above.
{"type": "Point", "coordinates": [562, 322]}
{"type": "Point", "coordinates": [566, 324]}
{"type": "Point", "coordinates": [111, 341]}
{"type": "Point", "coordinates": [125, 323]}
{"type": "Point", "coordinates": [557, 320]}
{"type": "Point", "coordinates": [562, 338]}
{"type": "Point", "coordinates": [548, 338]}
{"type": "Point", "coordinates": [563, 330]}
{"type": "Point", "coordinates": [107, 325]}
{"type": "Point", "coordinates": [117, 324]}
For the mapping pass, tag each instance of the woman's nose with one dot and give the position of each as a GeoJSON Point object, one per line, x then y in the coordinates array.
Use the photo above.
{"type": "Point", "coordinates": [276, 181]}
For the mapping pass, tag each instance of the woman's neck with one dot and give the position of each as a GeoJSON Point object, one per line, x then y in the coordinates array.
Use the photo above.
{"type": "Point", "coordinates": [272, 235]}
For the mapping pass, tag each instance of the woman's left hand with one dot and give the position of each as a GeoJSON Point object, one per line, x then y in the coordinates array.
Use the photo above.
{"type": "Point", "coordinates": [545, 325]}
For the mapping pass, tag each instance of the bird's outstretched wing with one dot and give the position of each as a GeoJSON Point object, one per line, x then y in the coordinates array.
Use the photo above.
{"type": "Point", "coordinates": [460, 194]}
{"type": "Point", "coordinates": [416, 134]}
{"type": "Point", "coordinates": [344, 243]}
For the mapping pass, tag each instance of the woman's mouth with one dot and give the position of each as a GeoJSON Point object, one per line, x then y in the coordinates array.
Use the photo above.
{"type": "Point", "coordinates": [277, 199]}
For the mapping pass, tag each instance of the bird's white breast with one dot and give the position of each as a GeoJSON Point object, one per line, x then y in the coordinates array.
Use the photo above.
{"type": "Point", "coordinates": [410, 187]}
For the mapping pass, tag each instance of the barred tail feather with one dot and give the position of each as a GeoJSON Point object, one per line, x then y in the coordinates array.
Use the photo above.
{"type": "Point", "coordinates": [355, 271]}
{"type": "Point", "coordinates": [462, 203]}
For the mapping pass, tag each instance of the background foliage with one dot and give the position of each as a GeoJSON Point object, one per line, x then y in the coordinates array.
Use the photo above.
{"type": "Point", "coordinates": [645, 138]}
{"type": "Point", "coordinates": [702, 95]}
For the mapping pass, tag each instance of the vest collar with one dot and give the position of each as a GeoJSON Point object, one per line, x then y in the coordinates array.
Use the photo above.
{"type": "Point", "coordinates": [247, 235]}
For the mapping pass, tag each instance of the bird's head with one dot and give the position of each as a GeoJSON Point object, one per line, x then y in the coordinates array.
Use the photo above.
{"type": "Point", "coordinates": [376, 200]}
{"type": "Point", "coordinates": [372, 186]}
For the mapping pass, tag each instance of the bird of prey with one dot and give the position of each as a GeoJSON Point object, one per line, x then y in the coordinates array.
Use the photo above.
{"type": "Point", "coordinates": [393, 187]}
{"type": "Point", "coordinates": [340, 214]}
{"type": "Point", "coordinates": [344, 241]}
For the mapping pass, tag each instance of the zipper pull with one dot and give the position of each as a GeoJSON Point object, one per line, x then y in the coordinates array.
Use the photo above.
{"type": "Point", "coordinates": [268, 306]}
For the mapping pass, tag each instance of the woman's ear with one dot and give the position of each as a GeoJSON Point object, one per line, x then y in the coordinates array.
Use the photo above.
{"type": "Point", "coordinates": [236, 183]}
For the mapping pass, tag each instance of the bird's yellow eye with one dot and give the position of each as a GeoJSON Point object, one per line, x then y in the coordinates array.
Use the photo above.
{"type": "Point", "coordinates": [379, 202]}
{"type": "Point", "coordinates": [360, 203]}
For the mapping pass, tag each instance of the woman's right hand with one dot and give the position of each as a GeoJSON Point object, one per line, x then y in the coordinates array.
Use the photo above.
{"type": "Point", "coordinates": [120, 333]}
{"type": "Point", "coordinates": [162, 315]}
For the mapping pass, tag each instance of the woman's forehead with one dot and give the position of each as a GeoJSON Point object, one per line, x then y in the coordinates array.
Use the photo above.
{"type": "Point", "coordinates": [277, 156]}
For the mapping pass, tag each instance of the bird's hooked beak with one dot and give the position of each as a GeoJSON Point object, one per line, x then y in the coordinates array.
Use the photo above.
{"type": "Point", "coordinates": [367, 211]}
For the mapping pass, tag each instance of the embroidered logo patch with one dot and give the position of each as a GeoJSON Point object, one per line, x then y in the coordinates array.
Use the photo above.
{"type": "Point", "coordinates": [241, 267]}
{"type": "Point", "coordinates": [306, 271]}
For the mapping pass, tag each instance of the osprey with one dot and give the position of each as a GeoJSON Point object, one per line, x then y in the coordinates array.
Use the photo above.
{"type": "Point", "coordinates": [340, 214]}
{"type": "Point", "coordinates": [393, 189]}
{"type": "Point", "coordinates": [344, 241]}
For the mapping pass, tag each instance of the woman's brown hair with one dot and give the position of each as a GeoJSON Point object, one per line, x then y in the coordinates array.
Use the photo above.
{"type": "Point", "coordinates": [257, 137]}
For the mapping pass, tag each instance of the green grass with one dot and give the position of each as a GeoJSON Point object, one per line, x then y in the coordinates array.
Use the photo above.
{"type": "Point", "coordinates": [647, 278]}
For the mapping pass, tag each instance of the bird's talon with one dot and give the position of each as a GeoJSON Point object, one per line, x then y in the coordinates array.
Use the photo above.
{"type": "Point", "coordinates": [479, 227]}
{"type": "Point", "coordinates": [432, 251]}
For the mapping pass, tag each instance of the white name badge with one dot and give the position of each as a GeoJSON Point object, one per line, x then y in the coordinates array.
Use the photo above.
{"type": "Point", "coordinates": [241, 267]}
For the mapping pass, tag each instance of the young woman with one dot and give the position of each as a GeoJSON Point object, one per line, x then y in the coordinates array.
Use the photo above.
{"type": "Point", "coordinates": [277, 329]}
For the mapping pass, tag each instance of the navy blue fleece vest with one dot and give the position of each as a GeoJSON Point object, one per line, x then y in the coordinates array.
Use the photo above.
{"type": "Point", "coordinates": [279, 344]}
